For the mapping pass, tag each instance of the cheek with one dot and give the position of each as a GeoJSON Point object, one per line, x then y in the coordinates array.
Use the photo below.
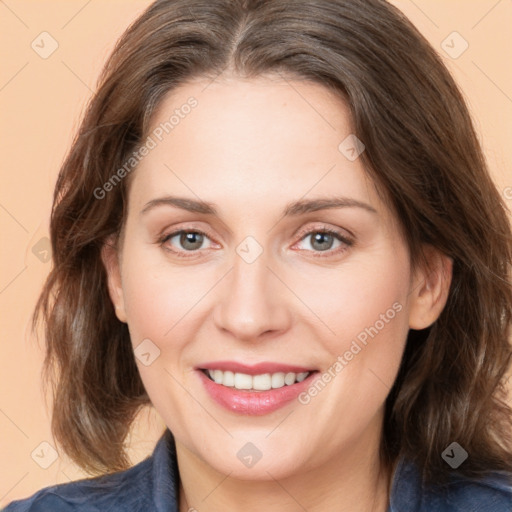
{"type": "Point", "coordinates": [161, 302]}
{"type": "Point", "coordinates": [159, 297]}
{"type": "Point", "coordinates": [366, 299]}
{"type": "Point", "coordinates": [365, 308]}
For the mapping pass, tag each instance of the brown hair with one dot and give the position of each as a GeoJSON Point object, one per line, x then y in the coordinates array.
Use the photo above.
{"type": "Point", "coordinates": [422, 152]}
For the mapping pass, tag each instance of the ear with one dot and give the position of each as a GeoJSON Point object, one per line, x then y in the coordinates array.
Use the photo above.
{"type": "Point", "coordinates": [429, 288]}
{"type": "Point", "coordinates": [111, 260]}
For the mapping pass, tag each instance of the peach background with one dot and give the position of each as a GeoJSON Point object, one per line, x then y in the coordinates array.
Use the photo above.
{"type": "Point", "coordinates": [41, 102]}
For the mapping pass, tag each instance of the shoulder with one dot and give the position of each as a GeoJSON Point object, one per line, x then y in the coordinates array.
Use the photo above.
{"type": "Point", "coordinates": [490, 494]}
{"type": "Point", "coordinates": [130, 490]}
{"type": "Point", "coordinates": [152, 484]}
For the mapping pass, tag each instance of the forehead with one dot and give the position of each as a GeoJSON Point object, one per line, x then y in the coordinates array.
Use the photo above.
{"type": "Point", "coordinates": [251, 144]}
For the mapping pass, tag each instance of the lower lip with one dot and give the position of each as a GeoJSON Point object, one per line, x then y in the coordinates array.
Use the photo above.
{"type": "Point", "coordinates": [254, 403]}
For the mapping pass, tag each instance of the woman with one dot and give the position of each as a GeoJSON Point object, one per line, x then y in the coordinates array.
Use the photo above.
{"type": "Point", "coordinates": [276, 226]}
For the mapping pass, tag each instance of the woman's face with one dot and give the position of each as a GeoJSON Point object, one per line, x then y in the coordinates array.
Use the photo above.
{"type": "Point", "coordinates": [259, 282]}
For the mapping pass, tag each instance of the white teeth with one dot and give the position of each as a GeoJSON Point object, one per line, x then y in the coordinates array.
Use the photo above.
{"type": "Point", "coordinates": [242, 381]}
{"type": "Point", "coordinates": [302, 376]}
{"type": "Point", "coordinates": [289, 378]}
{"type": "Point", "coordinates": [277, 380]}
{"type": "Point", "coordinates": [262, 382]}
{"type": "Point", "coordinates": [228, 379]}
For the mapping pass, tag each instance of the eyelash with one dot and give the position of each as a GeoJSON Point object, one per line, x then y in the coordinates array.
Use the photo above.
{"type": "Point", "coordinates": [303, 234]}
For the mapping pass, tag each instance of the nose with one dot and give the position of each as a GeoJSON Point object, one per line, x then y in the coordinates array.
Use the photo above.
{"type": "Point", "coordinates": [253, 302]}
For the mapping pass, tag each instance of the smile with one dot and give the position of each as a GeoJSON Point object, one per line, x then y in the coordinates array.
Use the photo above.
{"type": "Point", "coordinates": [262, 382]}
{"type": "Point", "coordinates": [254, 390]}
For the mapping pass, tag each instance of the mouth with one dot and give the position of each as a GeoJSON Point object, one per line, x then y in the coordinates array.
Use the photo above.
{"type": "Point", "coordinates": [254, 390]}
{"type": "Point", "coordinates": [258, 382]}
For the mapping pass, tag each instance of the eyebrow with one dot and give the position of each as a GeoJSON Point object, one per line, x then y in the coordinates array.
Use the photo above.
{"type": "Point", "coordinates": [292, 209]}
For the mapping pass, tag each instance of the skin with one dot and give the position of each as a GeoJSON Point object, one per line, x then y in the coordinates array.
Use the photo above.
{"type": "Point", "coordinates": [251, 147]}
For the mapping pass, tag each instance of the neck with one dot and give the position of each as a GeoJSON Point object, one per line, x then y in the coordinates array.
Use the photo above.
{"type": "Point", "coordinates": [354, 479]}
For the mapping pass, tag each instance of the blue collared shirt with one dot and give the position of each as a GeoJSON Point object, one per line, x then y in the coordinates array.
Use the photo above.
{"type": "Point", "coordinates": [152, 486]}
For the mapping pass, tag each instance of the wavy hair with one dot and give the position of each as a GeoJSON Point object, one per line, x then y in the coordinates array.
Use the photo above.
{"type": "Point", "coordinates": [422, 153]}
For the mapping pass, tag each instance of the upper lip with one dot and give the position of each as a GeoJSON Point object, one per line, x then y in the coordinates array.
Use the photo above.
{"type": "Point", "coordinates": [256, 369]}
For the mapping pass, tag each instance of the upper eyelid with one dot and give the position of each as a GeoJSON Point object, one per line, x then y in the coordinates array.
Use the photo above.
{"type": "Point", "coordinates": [335, 231]}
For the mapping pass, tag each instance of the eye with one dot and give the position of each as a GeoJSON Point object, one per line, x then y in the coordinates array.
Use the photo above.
{"type": "Point", "coordinates": [191, 241]}
{"type": "Point", "coordinates": [322, 240]}
{"type": "Point", "coordinates": [188, 241]}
